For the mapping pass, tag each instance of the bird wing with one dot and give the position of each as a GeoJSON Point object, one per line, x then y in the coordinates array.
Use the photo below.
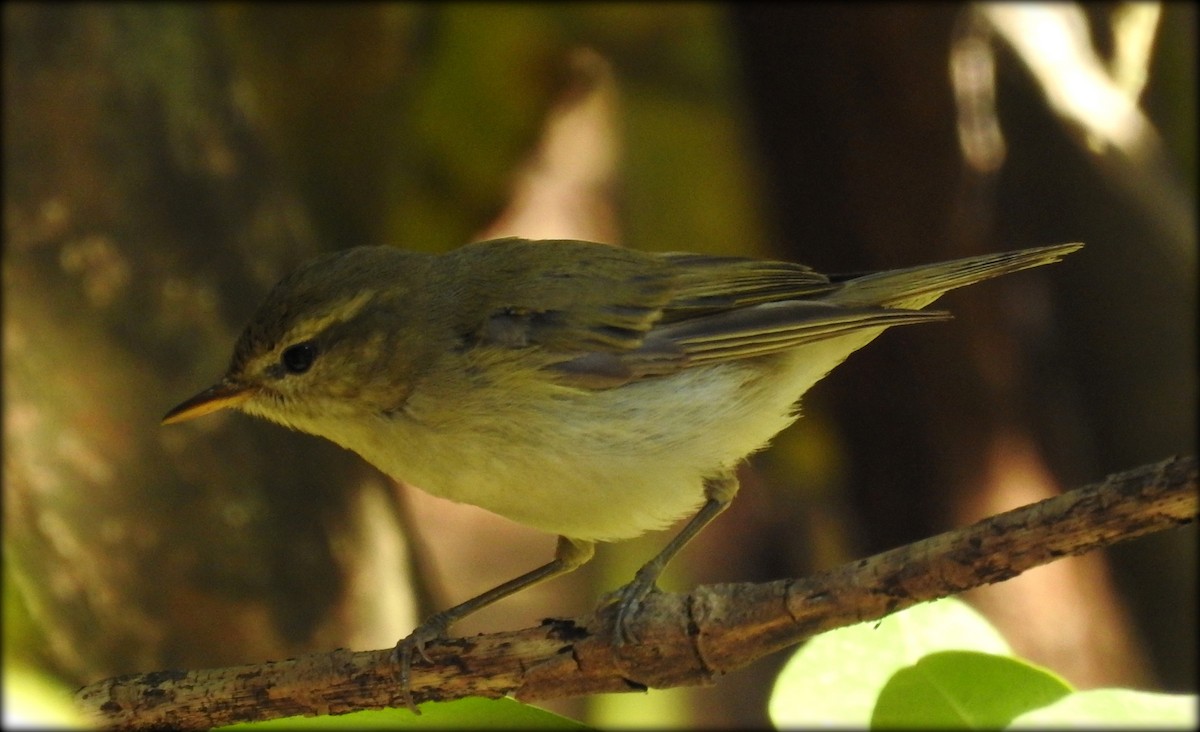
{"type": "Point", "coordinates": [604, 316]}
{"type": "Point", "coordinates": [567, 297]}
{"type": "Point", "coordinates": [707, 284]}
{"type": "Point", "coordinates": [748, 332]}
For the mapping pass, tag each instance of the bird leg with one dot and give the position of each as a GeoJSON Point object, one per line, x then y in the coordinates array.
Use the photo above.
{"type": "Point", "coordinates": [720, 492]}
{"type": "Point", "coordinates": [569, 556]}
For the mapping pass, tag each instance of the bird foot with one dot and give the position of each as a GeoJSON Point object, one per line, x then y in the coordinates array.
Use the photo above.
{"type": "Point", "coordinates": [432, 629]}
{"type": "Point", "coordinates": [628, 600]}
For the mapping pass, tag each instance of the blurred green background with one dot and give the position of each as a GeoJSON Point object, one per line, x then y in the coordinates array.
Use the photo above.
{"type": "Point", "coordinates": [167, 163]}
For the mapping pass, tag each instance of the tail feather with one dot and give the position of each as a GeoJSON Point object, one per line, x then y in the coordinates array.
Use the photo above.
{"type": "Point", "coordinates": [915, 287]}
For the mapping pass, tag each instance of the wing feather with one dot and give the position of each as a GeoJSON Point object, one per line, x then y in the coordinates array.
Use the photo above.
{"type": "Point", "coordinates": [598, 316]}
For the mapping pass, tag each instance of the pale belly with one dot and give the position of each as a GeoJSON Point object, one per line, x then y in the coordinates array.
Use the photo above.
{"type": "Point", "coordinates": [598, 465]}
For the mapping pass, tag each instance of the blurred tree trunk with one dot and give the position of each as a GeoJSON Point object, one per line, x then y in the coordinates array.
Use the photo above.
{"type": "Point", "coordinates": [144, 220]}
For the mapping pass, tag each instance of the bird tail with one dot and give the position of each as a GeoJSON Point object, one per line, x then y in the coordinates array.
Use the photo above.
{"type": "Point", "coordinates": [915, 287]}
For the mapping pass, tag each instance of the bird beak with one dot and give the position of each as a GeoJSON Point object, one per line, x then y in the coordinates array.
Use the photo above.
{"type": "Point", "coordinates": [224, 394]}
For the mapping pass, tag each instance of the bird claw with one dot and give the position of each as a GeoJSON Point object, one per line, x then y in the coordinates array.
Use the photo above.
{"type": "Point", "coordinates": [629, 601]}
{"type": "Point", "coordinates": [402, 655]}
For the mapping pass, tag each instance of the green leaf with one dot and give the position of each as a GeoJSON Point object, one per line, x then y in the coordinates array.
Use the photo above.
{"type": "Point", "coordinates": [965, 690]}
{"type": "Point", "coordinates": [471, 713]}
{"type": "Point", "coordinates": [836, 677]}
{"type": "Point", "coordinates": [1123, 708]}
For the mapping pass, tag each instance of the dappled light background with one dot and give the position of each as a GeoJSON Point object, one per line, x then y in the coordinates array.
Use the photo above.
{"type": "Point", "coordinates": [166, 164]}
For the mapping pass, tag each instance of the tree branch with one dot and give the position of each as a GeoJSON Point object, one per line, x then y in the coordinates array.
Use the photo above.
{"type": "Point", "coordinates": [686, 639]}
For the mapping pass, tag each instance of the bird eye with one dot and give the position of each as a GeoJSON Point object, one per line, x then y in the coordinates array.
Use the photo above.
{"type": "Point", "coordinates": [299, 358]}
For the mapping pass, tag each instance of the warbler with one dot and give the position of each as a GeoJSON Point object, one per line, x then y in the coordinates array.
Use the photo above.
{"type": "Point", "coordinates": [586, 390]}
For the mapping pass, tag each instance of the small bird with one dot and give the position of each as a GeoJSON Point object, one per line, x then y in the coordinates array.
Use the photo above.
{"type": "Point", "coordinates": [586, 390]}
